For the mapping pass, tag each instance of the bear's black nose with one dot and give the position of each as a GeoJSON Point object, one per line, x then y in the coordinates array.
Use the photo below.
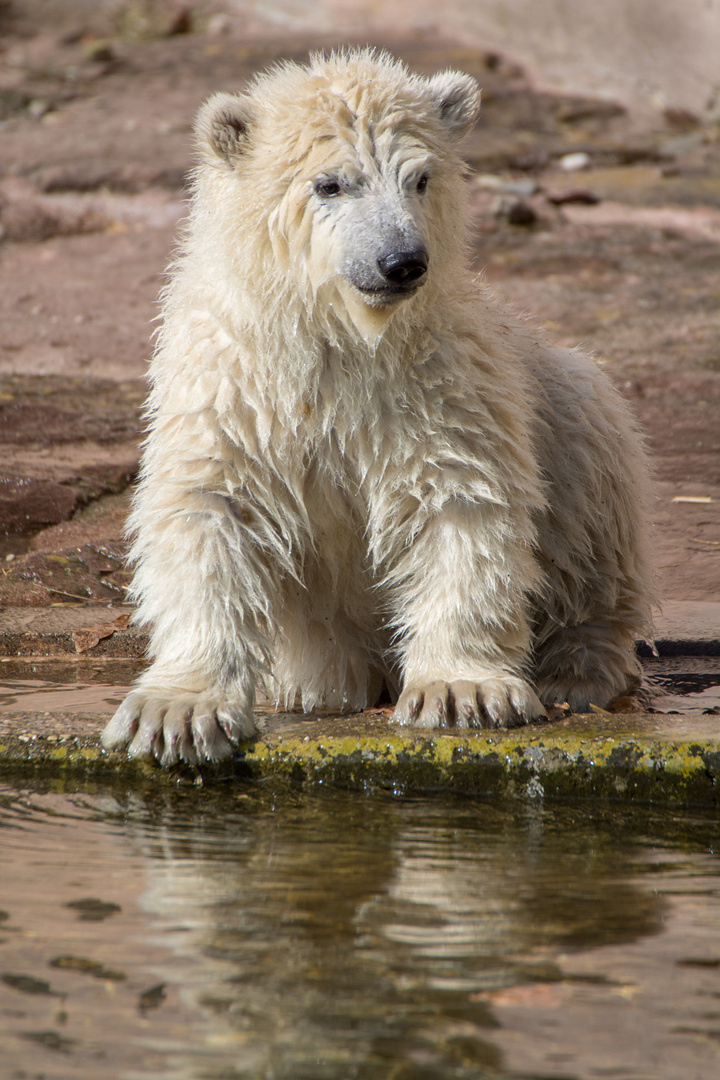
{"type": "Point", "coordinates": [404, 268]}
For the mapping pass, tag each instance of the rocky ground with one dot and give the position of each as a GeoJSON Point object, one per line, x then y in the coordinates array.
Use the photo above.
{"type": "Point", "coordinates": [603, 226]}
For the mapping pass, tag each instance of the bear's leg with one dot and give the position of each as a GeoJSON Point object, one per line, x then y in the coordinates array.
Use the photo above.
{"type": "Point", "coordinates": [203, 586]}
{"type": "Point", "coordinates": [589, 664]}
{"type": "Point", "coordinates": [465, 635]}
{"type": "Point", "coordinates": [325, 664]}
{"type": "Point", "coordinates": [592, 535]}
{"type": "Point", "coordinates": [328, 650]}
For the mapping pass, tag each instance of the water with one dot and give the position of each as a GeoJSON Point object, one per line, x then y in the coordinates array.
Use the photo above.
{"type": "Point", "coordinates": [684, 683]}
{"type": "Point", "coordinates": [262, 932]}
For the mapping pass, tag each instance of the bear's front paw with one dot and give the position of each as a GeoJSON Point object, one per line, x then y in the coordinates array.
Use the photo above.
{"type": "Point", "coordinates": [178, 727]}
{"type": "Point", "coordinates": [501, 701]}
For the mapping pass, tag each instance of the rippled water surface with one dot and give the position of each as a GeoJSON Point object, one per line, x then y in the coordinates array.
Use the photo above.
{"type": "Point", "coordinates": [260, 933]}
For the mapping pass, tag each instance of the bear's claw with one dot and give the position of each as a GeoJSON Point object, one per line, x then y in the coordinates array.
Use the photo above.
{"type": "Point", "coordinates": [178, 727]}
{"type": "Point", "coordinates": [489, 703]}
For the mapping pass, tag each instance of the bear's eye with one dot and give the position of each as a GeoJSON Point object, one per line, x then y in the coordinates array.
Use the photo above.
{"type": "Point", "coordinates": [422, 183]}
{"type": "Point", "coordinates": [328, 188]}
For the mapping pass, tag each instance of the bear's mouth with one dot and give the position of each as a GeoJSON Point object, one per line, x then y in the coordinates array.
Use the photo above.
{"type": "Point", "coordinates": [385, 295]}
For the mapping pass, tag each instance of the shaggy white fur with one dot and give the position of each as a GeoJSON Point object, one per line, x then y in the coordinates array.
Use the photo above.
{"type": "Point", "coordinates": [360, 468]}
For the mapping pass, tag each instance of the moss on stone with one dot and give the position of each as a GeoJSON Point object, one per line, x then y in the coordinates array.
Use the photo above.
{"type": "Point", "coordinates": [535, 763]}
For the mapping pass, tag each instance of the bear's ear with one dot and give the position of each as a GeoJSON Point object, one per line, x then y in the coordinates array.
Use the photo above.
{"type": "Point", "coordinates": [457, 97]}
{"type": "Point", "coordinates": [223, 125]}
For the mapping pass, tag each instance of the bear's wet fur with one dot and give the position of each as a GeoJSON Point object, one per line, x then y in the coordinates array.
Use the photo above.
{"type": "Point", "coordinates": [362, 470]}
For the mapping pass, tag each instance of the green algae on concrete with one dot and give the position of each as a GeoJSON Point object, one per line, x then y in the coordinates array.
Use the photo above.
{"type": "Point", "coordinates": [524, 765]}
{"type": "Point", "coordinates": [627, 758]}
{"type": "Point", "coordinates": [74, 759]}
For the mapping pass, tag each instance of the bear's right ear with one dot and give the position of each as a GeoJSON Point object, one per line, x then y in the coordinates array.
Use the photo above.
{"type": "Point", "coordinates": [222, 126]}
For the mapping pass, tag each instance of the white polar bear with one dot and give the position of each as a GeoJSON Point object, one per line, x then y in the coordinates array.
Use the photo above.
{"type": "Point", "coordinates": [360, 469]}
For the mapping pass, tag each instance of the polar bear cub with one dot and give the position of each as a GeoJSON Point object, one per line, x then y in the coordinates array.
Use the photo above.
{"type": "Point", "coordinates": [361, 471]}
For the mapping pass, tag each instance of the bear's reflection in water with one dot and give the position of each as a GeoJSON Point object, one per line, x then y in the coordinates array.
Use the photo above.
{"type": "Point", "coordinates": [347, 937]}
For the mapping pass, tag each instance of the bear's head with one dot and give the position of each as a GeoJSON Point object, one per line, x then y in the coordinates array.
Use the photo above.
{"type": "Point", "coordinates": [344, 178]}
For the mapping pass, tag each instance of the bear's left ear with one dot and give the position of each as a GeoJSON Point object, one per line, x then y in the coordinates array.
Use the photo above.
{"type": "Point", "coordinates": [223, 125]}
{"type": "Point", "coordinates": [458, 99]}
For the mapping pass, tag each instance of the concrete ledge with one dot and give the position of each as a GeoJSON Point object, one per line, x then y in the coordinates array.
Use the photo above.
{"type": "Point", "coordinates": [659, 759]}
{"type": "Point", "coordinates": [583, 757]}
{"type": "Point", "coordinates": [670, 758]}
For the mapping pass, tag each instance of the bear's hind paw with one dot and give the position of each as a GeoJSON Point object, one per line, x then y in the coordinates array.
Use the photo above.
{"type": "Point", "coordinates": [178, 727]}
{"type": "Point", "coordinates": [501, 701]}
